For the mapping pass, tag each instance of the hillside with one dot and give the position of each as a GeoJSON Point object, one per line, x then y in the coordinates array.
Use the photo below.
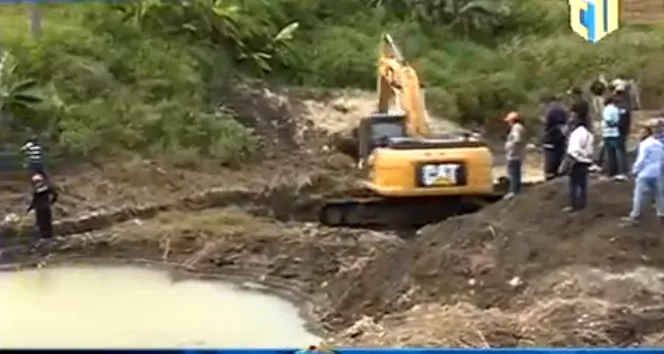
{"type": "Point", "coordinates": [160, 78]}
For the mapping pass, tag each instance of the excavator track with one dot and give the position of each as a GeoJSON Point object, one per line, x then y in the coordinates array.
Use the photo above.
{"type": "Point", "coordinates": [361, 208]}
{"type": "Point", "coordinates": [398, 213]}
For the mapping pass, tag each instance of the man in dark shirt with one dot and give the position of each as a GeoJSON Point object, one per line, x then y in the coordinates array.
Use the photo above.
{"type": "Point", "coordinates": [553, 141]}
{"type": "Point", "coordinates": [581, 108]}
{"type": "Point", "coordinates": [43, 196]}
{"type": "Point", "coordinates": [623, 101]}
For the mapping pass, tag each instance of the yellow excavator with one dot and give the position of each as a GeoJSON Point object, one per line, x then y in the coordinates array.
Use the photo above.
{"type": "Point", "coordinates": [410, 177]}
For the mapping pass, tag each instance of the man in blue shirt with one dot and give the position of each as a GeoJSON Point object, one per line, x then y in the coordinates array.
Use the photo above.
{"type": "Point", "coordinates": [660, 136]}
{"type": "Point", "coordinates": [648, 172]}
{"type": "Point", "coordinates": [612, 140]}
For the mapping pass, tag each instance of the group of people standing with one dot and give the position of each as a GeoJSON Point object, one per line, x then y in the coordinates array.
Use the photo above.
{"type": "Point", "coordinates": [569, 140]}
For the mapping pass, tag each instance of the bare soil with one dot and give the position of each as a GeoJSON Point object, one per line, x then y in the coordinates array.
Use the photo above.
{"type": "Point", "coordinates": [457, 284]}
{"type": "Point", "coordinates": [518, 273]}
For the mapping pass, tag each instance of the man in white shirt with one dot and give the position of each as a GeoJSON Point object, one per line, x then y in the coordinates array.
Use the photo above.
{"type": "Point", "coordinates": [580, 148]}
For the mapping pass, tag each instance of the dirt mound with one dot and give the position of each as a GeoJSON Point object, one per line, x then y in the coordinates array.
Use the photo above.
{"type": "Point", "coordinates": [270, 115]}
{"type": "Point", "coordinates": [642, 285]}
{"type": "Point", "coordinates": [579, 322]}
{"type": "Point", "coordinates": [308, 119]}
{"type": "Point", "coordinates": [433, 325]}
{"type": "Point", "coordinates": [295, 118]}
{"type": "Point", "coordinates": [490, 257]}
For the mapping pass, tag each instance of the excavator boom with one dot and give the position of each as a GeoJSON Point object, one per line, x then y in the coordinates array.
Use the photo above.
{"type": "Point", "coordinates": [398, 83]}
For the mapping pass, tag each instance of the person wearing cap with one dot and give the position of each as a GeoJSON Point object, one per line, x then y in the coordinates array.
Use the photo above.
{"type": "Point", "coordinates": [647, 170]}
{"type": "Point", "coordinates": [43, 197]}
{"type": "Point", "coordinates": [515, 151]}
{"type": "Point", "coordinates": [579, 152]}
{"type": "Point", "coordinates": [611, 137]}
{"type": "Point", "coordinates": [619, 84]}
{"type": "Point", "coordinates": [553, 141]}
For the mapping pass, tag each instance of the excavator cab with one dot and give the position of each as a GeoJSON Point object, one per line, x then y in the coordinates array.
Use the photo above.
{"type": "Point", "coordinates": [389, 130]}
{"type": "Point", "coordinates": [379, 130]}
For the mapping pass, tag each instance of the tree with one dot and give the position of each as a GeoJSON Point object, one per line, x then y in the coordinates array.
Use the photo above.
{"type": "Point", "coordinates": [219, 22]}
{"type": "Point", "coordinates": [15, 93]}
{"type": "Point", "coordinates": [476, 15]}
{"type": "Point", "coordinates": [465, 16]}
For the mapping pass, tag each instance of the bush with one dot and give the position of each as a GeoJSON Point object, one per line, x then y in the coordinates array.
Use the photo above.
{"type": "Point", "coordinates": [141, 79]}
{"type": "Point", "coordinates": [111, 87]}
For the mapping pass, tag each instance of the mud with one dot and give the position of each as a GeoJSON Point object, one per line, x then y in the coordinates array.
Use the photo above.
{"type": "Point", "coordinates": [518, 273]}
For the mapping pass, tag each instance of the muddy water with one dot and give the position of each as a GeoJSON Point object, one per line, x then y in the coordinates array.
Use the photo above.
{"type": "Point", "coordinates": [133, 307]}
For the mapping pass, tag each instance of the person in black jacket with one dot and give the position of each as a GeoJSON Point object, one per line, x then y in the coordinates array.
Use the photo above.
{"type": "Point", "coordinates": [43, 196]}
{"type": "Point", "coordinates": [623, 101]}
{"type": "Point", "coordinates": [553, 141]}
{"type": "Point", "coordinates": [581, 108]}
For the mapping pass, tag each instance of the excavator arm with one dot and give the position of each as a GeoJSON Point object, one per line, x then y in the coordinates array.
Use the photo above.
{"type": "Point", "coordinates": [400, 87]}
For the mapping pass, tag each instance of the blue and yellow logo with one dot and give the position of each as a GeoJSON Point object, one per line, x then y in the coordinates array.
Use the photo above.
{"type": "Point", "coordinates": [594, 19]}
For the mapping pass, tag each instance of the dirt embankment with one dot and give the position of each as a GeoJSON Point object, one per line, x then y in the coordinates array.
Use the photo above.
{"type": "Point", "coordinates": [520, 272]}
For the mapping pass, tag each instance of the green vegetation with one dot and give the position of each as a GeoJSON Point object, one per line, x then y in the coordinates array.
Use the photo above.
{"type": "Point", "coordinates": [144, 76]}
